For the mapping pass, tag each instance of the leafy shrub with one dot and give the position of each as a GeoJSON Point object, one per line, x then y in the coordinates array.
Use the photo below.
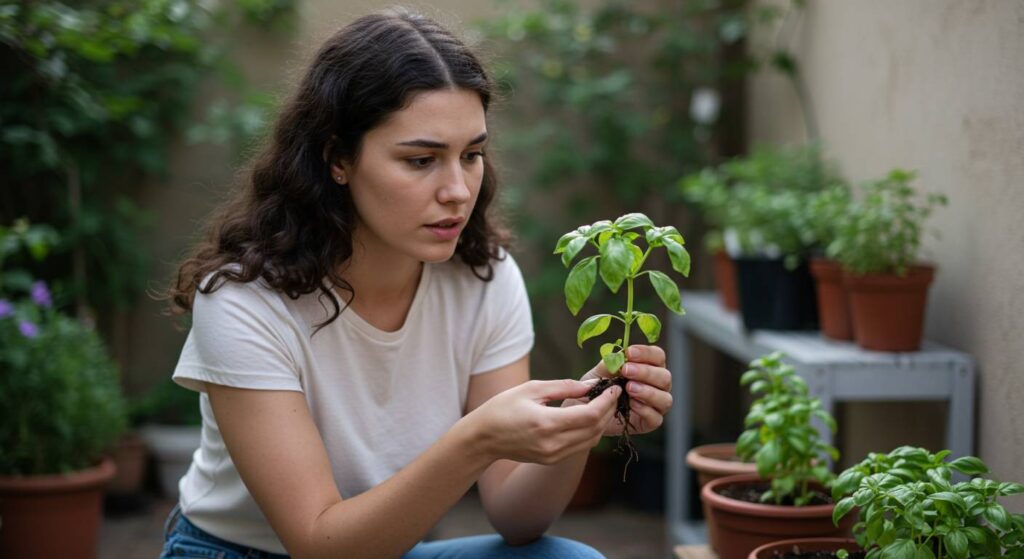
{"type": "Point", "coordinates": [780, 438]}
{"type": "Point", "coordinates": [909, 507]}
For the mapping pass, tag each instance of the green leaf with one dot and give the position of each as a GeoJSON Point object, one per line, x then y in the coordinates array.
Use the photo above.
{"type": "Point", "coordinates": [956, 544]}
{"type": "Point", "coordinates": [616, 262]}
{"type": "Point", "coordinates": [900, 549]}
{"type": "Point", "coordinates": [951, 498]}
{"type": "Point", "coordinates": [593, 326]}
{"type": "Point", "coordinates": [572, 249]}
{"type": "Point", "coordinates": [638, 258]}
{"type": "Point", "coordinates": [633, 220]}
{"type": "Point", "coordinates": [842, 507]}
{"type": "Point", "coordinates": [767, 458]}
{"type": "Point", "coordinates": [749, 377]}
{"type": "Point", "coordinates": [564, 241]}
{"type": "Point", "coordinates": [606, 349]}
{"type": "Point", "coordinates": [997, 516]}
{"type": "Point", "coordinates": [969, 465]}
{"type": "Point", "coordinates": [614, 361]}
{"type": "Point", "coordinates": [1010, 488]}
{"type": "Point", "coordinates": [649, 325]}
{"type": "Point", "coordinates": [679, 257]}
{"type": "Point", "coordinates": [580, 283]}
{"type": "Point", "coordinates": [667, 291]}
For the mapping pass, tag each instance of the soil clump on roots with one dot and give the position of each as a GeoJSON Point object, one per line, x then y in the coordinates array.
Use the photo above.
{"type": "Point", "coordinates": [625, 445]}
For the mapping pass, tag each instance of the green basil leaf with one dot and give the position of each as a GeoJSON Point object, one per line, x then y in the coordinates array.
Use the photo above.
{"type": "Point", "coordinates": [842, 507]}
{"type": "Point", "coordinates": [564, 241]}
{"type": "Point", "coordinates": [606, 349]}
{"type": "Point", "coordinates": [649, 325]}
{"type": "Point", "coordinates": [767, 458]}
{"type": "Point", "coordinates": [638, 259]}
{"type": "Point", "coordinates": [593, 326]}
{"type": "Point", "coordinates": [572, 249]}
{"type": "Point", "coordinates": [616, 262]}
{"type": "Point", "coordinates": [997, 516]}
{"type": "Point", "coordinates": [667, 291]}
{"type": "Point", "coordinates": [679, 257]}
{"type": "Point", "coordinates": [969, 465]}
{"type": "Point", "coordinates": [614, 361]}
{"type": "Point", "coordinates": [599, 227]}
{"type": "Point", "coordinates": [900, 549]}
{"type": "Point", "coordinates": [580, 283]}
{"type": "Point", "coordinates": [633, 220]}
{"type": "Point", "coordinates": [956, 544]}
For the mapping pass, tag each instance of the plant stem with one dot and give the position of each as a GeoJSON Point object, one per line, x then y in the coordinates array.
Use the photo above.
{"type": "Point", "coordinates": [629, 313]}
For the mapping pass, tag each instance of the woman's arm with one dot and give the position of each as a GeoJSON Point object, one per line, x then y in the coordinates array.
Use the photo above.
{"type": "Point", "coordinates": [280, 456]}
{"type": "Point", "coordinates": [523, 500]}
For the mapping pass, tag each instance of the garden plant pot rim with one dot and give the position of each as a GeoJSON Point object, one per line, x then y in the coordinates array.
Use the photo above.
{"type": "Point", "coordinates": [797, 541]}
{"type": "Point", "coordinates": [921, 273]}
{"type": "Point", "coordinates": [706, 458]}
{"type": "Point", "coordinates": [79, 480]}
{"type": "Point", "coordinates": [713, 499]}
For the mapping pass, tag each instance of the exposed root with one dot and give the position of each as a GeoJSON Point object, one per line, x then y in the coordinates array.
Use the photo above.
{"type": "Point", "coordinates": [625, 445]}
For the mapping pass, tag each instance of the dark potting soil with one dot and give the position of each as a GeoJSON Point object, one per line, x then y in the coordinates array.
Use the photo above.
{"type": "Point", "coordinates": [795, 553]}
{"type": "Point", "coordinates": [621, 414]}
{"type": "Point", "coordinates": [752, 493]}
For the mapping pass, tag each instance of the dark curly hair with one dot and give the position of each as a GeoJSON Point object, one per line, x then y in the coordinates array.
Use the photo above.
{"type": "Point", "coordinates": [288, 223]}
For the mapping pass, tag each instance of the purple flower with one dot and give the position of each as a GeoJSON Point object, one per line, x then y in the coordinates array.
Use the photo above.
{"type": "Point", "coordinates": [6, 308]}
{"type": "Point", "coordinates": [41, 295]}
{"type": "Point", "coordinates": [28, 329]}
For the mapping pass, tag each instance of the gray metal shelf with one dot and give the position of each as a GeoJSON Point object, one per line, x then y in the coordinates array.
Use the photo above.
{"type": "Point", "coordinates": [835, 372]}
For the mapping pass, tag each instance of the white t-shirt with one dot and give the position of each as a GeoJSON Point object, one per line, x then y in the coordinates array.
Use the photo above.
{"type": "Point", "coordinates": [378, 398]}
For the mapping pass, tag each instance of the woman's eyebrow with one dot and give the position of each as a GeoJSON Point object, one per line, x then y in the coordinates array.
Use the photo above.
{"type": "Point", "coordinates": [439, 145]}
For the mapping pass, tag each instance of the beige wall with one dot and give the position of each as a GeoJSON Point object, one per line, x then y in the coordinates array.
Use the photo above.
{"type": "Point", "coordinates": [937, 86]}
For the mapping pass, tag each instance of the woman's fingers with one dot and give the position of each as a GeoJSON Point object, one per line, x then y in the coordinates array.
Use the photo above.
{"type": "Point", "coordinates": [660, 400]}
{"type": "Point", "coordinates": [650, 354]}
{"type": "Point", "coordinates": [658, 377]}
{"type": "Point", "coordinates": [644, 418]}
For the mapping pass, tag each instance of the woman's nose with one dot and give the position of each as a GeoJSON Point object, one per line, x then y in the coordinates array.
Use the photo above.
{"type": "Point", "coordinates": [455, 187]}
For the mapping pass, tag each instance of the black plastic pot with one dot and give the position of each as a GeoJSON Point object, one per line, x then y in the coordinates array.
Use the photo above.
{"type": "Point", "coordinates": [774, 298]}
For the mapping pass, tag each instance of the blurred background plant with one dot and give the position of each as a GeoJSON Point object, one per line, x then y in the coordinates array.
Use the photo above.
{"type": "Point", "coordinates": [604, 109]}
{"type": "Point", "coordinates": [95, 94]}
{"type": "Point", "coordinates": [60, 390]}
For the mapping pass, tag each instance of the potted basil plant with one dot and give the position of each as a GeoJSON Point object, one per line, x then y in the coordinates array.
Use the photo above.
{"type": "Point", "coordinates": [788, 496]}
{"type": "Point", "coordinates": [877, 244]}
{"type": "Point", "coordinates": [908, 506]}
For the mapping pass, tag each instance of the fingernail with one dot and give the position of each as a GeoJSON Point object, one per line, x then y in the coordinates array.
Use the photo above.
{"type": "Point", "coordinates": [633, 387]}
{"type": "Point", "coordinates": [627, 371]}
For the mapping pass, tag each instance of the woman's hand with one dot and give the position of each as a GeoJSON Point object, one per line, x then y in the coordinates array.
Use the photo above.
{"type": "Point", "coordinates": [517, 424]}
{"type": "Point", "coordinates": [649, 387]}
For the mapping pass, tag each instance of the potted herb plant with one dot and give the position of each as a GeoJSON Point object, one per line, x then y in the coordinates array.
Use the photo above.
{"type": "Point", "coordinates": [878, 245]}
{"type": "Point", "coordinates": [824, 211]}
{"type": "Point", "coordinates": [788, 496]}
{"type": "Point", "coordinates": [908, 506]}
{"type": "Point", "coordinates": [619, 262]}
{"type": "Point", "coordinates": [63, 409]}
{"type": "Point", "coordinates": [708, 191]}
{"type": "Point", "coordinates": [767, 237]}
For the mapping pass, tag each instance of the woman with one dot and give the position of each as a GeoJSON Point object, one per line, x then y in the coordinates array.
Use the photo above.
{"type": "Point", "coordinates": [361, 338]}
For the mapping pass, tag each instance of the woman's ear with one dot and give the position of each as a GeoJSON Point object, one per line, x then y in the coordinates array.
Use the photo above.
{"type": "Point", "coordinates": [338, 173]}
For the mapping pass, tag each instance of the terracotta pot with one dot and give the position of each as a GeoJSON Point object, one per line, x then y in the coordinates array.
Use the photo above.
{"type": "Point", "coordinates": [888, 310]}
{"type": "Point", "coordinates": [833, 301]}
{"type": "Point", "coordinates": [53, 515]}
{"type": "Point", "coordinates": [130, 458]}
{"type": "Point", "coordinates": [739, 527]}
{"type": "Point", "coordinates": [803, 545]}
{"type": "Point", "coordinates": [593, 489]}
{"type": "Point", "coordinates": [712, 461]}
{"type": "Point", "coordinates": [725, 280]}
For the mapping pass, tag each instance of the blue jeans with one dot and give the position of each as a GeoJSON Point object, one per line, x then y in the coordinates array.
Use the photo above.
{"type": "Point", "coordinates": [182, 540]}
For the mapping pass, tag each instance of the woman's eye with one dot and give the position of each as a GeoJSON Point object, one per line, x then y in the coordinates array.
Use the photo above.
{"type": "Point", "coordinates": [474, 155]}
{"type": "Point", "coordinates": [420, 162]}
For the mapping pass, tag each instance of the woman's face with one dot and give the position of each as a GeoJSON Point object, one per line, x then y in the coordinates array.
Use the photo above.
{"type": "Point", "coordinates": [418, 175]}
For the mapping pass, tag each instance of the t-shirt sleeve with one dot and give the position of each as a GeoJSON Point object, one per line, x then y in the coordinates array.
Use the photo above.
{"type": "Point", "coordinates": [238, 339]}
{"type": "Point", "coordinates": [508, 328]}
